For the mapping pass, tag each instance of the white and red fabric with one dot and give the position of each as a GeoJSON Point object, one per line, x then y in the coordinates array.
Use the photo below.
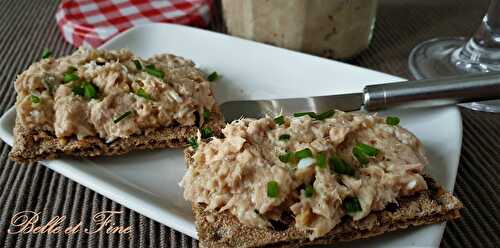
{"type": "Point", "coordinates": [92, 22]}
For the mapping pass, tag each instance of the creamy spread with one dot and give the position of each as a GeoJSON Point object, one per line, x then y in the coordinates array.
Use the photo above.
{"type": "Point", "coordinates": [233, 173]}
{"type": "Point", "coordinates": [84, 94]}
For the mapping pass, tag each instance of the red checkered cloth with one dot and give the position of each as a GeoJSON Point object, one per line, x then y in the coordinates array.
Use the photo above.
{"type": "Point", "coordinates": [92, 22]}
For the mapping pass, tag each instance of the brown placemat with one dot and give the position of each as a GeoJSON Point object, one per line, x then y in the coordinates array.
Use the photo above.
{"type": "Point", "coordinates": [26, 27]}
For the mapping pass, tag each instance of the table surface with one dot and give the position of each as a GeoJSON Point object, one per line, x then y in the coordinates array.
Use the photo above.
{"type": "Point", "coordinates": [26, 27]}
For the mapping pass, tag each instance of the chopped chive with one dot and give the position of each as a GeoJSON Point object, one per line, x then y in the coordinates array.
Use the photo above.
{"type": "Point", "coordinates": [321, 160]}
{"type": "Point", "coordinates": [308, 191]}
{"type": "Point", "coordinates": [325, 115]}
{"type": "Point", "coordinates": [193, 142]}
{"type": "Point", "coordinates": [90, 90]}
{"type": "Point", "coordinates": [206, 133]}
{"type": "Point", "coordinates": [285, 158]}
{"type": "Point", "coordinates": [142, 93]}
{"type": "Point", "coordinates": [85, 89]}
{"type": "Point", "coordinates": [78, 90]}
{"type": "Point", "coordinates": [272, 189]}
{"type": "Point", "coordinates": [368, 150]}
{"type": "Point", "coordinates": [46, 53]}
{"type": "Point", "coordinates": [122, 116]}
{"type": "Point", "coordinates": [305, 153]}
{"type": "Point", "coordinates": [360, 156]}
{"type": "Point", "coordinates": [340, 166]}
{"type": "Point", "coordinates": [322, 116]}
{"type": "Point", "coordinates": [392, 120]}
{"type": "Point", "coordinates": [284, 137]}
{"type": "Point", "coordinates": [363, 151]}
{"type": "Point", "coordinates": [137, 64]}
{"type": "Point", "coordinates": [311, 114]}
{"type": "Point", "coordinates": [70, 76]}
{"type": "Point", "coordinates": [151, 70]}
{"type": "Point", "coordinates": [197, 119]}
{"type": "Point", "coordinates": [213, 76]}
{"type": "Point", "coordinates": [35, 99]}
{"type": "Point", "coordinates": [206, 114]}
{"type": "Point", "coordinates": [351, 205]}
{"type": "Point", "coordinates": [280, 120]}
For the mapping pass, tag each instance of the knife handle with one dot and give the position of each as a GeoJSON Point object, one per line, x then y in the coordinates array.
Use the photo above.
{"type": "Point", "coordinates": [432, 92]}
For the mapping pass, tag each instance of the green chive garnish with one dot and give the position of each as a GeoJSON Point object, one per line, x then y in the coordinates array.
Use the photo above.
{"type": "Point", "coordinates": [284, 137]}
{"type": "Point", "coordinates": [368, 150]}
{"type": "Point", "coordinates": [85, 89]}
{"type": "Point", "coordinates": [142, 93]}
{"type": "Point", "coordinates": [213, 76]}
{"type": "Point", "coordinates": [340, 166]}
{"type": "Point", "coordinates": [362, 151]}
{"type": "Point", "coordinates": [308, 191]}
{"type": "Point", "coordinates": [78, 90]}
{"type": "Point", "coordinates": [90, 90]}
{"type": "Point", "coordinates": [35, 99]}
{"type": "Point", "coordinates": [272, 189]}
{"type": "Point", "coordinates": [325, 115]}
{"type": "Point", "coordinates": [322, 116]}
{"type": "Point", "coordinates": [69, 76]}
{"type": "Point", "coordinates": [351, 205]}
{"type": "Point", "coordinates": [392, 120]}
{"type": "Point", "coordinates": [321, 160]}
{"type": "Point", "coordinates": [280, 120]}
{"type": "Point", "coordinates": [360, 156]}
{"type": "Point", "coordinates": [288, 157]}
{"type": "Point", "coordinates": [311, 114]}
{"type": "Point", "coordinates": [305, 153]}
{"type": "Point", "coordinates": [46, 53]}
{"type": "Point", "coordinates": [151, 70]}
{"type": "Point", "coordinates": [206, 114]}
{"type": "Point", "coordinates": [206, 133]}
{"type": "Point", "coordinates": [122, 116]}
{"type": "Point", "coordinates": [193, 142]}
{"type": "Point", "coordinates": [138, 64]}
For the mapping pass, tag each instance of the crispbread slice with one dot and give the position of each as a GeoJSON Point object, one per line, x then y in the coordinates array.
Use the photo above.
{"type": "Point", "coordinates": [222, 229]}
{"type": "Point", "coordinates": [35, 145]}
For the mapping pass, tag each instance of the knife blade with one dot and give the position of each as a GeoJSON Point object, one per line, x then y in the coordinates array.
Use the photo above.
{"type": "Point", "coordinates": [259, 108]}
{"type": "Point", "coordinates": [429, 92]}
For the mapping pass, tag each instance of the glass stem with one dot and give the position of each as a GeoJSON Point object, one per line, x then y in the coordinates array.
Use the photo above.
{"type": "Point", "coordinates": [481, 53]}
{"type": "Point", "coordinates": [488, 33]}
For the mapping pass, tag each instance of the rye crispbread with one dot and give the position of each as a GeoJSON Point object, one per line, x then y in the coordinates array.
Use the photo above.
{"type": "Point", "coordinates": [223, 230]}
{"type": "Point", "coordinates": [35, 145]}
{"type": "Point", "coordinates": [53, 95]}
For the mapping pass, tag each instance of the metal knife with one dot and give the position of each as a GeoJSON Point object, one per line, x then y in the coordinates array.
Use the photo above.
{"type": "Point", "coordinates": [430, 92]}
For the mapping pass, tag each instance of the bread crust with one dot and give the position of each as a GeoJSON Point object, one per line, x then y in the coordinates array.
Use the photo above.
{"type": "Point", "coordinates": [35, 145]}
{"type": "Point", "coordinates": [222, 229]}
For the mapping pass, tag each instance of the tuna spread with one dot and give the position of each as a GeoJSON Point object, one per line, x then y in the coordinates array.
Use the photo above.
{"type": "Point", "coordinates": [317, 168]}
{"type": "Point", "coordinates": [110, 94]}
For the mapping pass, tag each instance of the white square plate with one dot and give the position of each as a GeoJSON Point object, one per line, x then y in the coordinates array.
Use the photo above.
{"type": "Point", "coordinates": [147, 181]}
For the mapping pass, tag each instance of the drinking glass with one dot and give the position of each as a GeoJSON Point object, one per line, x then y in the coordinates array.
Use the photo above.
{"type": "Point", "coordinates": [440, 57]}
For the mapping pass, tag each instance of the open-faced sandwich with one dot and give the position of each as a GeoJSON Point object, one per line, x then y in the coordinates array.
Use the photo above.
{"type": "Point", "coordinates": [97, 102]}
{"type": "Point", "coordinates": [311, 179]}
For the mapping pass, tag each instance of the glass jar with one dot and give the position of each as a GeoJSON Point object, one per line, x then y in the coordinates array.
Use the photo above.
{"type": "Point", "coordinates": [329, 28]}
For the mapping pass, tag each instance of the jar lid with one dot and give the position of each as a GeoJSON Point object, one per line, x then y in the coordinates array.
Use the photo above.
{"type": "Point", "coordinates": [92, 22]}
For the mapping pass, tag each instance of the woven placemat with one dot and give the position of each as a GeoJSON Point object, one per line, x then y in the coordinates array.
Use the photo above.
{"type": "Point", "coordinates": [26, 27]}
